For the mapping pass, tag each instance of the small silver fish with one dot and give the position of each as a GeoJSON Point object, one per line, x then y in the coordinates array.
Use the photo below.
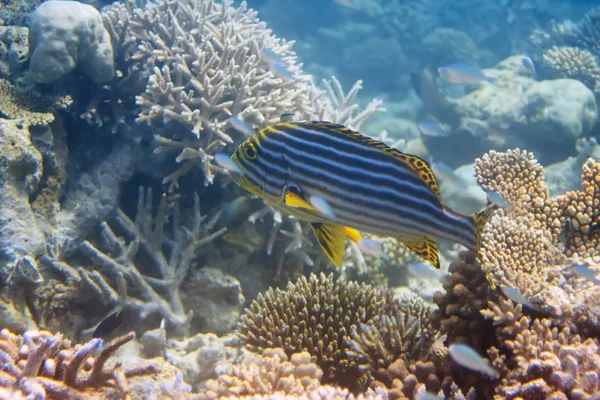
{"type": "Point", "coordinates": [516, 296]}
{"type": "Point", "coordinates": [424, 271]}
{"type": "Point", "coordinates": [371, 247]}
{"type": "Point", "coordinates": [225, 162]}
{"type": "Point", "coordinates": [321, 205]}
{"type": "Point", "coordinates": [426, 396]}
{"type": "Point", "coordinates": [347, 3]}
{"type": "Point", "coordinates": [462, 72]}
{"type": "Point", "coordinates": [528, 63]}
{"type": "Point", "coordinates": [496, 198]}
{"type": "Point", "coordinates": [270, 56]}
{"type": "Point", "coordinates": [280, 71]}
{"type": "Point", "coordinates": [584, 272]}
{"type": "Point", "coordinates": [431, 128]}
{"type": "Point", "coordinates": [241, 126]}
{"type": "Point", "coordinates": [287, 116]}
{"type": "Point", "coordinates": [465, 356]}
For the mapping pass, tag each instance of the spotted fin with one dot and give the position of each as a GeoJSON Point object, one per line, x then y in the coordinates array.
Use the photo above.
{"type": "Point", "coordinates": [423, 247]}
{"type": "Point", "coordinates": [353, 234]}
{"type": "Point", "coordinates": [332, 239]}
{"type": "Point", "coordinates": [293, 199]}
{"type": "Point", "coordinates": [417, 165]}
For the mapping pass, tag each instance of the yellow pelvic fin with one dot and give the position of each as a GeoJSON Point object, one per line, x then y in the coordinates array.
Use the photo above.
{"type": "Point", "coordinates": [353, 234]}
{"type": "Point", "coordinates": [423, 247]}
{"type": "Point", "coordinates": [293, 199]}
{"type": "Point", "coordinates": [332, 239]}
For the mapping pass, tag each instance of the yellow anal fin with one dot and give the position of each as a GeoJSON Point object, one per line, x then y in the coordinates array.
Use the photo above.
{"type": "Point", "coordinates": [293, 199]}
{"type": "Point", "coordinates": [332, 239]}
{"type": "Point", "coordinates": [353, 234]}
{"type": "Point", "coordinates": [423, 247]}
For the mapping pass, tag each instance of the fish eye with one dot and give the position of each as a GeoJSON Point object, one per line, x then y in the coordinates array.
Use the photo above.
{"type": "Point", "coordinates": [250, 151]}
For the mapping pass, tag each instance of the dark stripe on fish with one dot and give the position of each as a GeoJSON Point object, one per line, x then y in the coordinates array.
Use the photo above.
{"type": "Point", "coordinates": [383, 201]}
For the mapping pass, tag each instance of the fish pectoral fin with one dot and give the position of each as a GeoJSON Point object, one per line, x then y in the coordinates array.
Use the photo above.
{"type": "Point", "coordinates": [423, 247]}
{"type": "Point", "coordinates": [294, 199]}
{"type": "Point", "coordinates": [332, 239]}
{"type": "Point", "coordinates": [353, 234]}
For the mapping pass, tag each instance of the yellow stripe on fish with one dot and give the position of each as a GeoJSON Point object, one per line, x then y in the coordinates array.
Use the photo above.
{"type": "Point", "coordinates": [368, 186]}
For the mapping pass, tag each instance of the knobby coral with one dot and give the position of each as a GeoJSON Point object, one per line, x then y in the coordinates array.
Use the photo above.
{"type": "Point", "coordinates": [349, 329]}
{"type": "Point", "coordinates": [573, 63]}
{"type": "Point", "coordinates": [42, 365]}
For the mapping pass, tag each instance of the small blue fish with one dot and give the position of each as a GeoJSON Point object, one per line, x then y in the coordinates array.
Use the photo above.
{"type": "Point", "coordinates": [431, 128]}
{"type": "Point", "coordinates": [496, 198]}
{"type": "Point", "coordinates": [225, 162]}
{"type": "Point", "coordinates": [280, 71]}
{"type": "Point", "coordinates": [270, 56]}
{"type": "Point", "coordinates": [426, 396]}
{"type": "Point", "coordinates": [465, 356]}
{"type": "Point", "coordinates": [528, 63]}
{"type": "Point", "coordinates": [516, 296]}
{"type": "Point", "coordinates": [584, 272]}
{"type": "Point", "coordinates": [241, 126]}
{"type": "Point", "coordinates": [462, 72]}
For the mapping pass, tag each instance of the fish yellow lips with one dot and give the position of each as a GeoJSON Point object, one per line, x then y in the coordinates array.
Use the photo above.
{"type": "Point", "coordinates": [344, 183]}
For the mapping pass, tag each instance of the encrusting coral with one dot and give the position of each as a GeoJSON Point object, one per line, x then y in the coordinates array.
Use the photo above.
{"type": "Point", "coordinates": [336, 322]}
{"type": "Point", "coordinates": [28, 107]}
{"type": "Point", "coordinates": [41, 365]}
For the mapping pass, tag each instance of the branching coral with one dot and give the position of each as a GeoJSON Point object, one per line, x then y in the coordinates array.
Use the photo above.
{"type": "Point", "coordinates": [573, 63]}
{"type": "Point", "coordinates": [144, 269]}
{"type": "Point", "coordinates": [588, 31]}
{"type": "Point", "coordinates": [39, 364]}
{"type": "Point", "coordinates": [267, 374]}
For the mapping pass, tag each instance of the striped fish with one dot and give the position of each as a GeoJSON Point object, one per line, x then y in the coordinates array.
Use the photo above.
{"type": "Point", "coordinates": [368, 187]}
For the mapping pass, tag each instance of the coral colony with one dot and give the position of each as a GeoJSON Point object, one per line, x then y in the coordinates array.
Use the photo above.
{"type": "Point", "coordinates": [132, 267]}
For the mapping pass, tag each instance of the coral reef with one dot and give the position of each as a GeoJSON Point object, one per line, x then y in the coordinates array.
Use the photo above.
{"type": "Point", "coordinates": [39, 364]}
{"type": "Point", "coordinates": [14, 49]}
{"type": "Point", "coordinates": [349, 329]}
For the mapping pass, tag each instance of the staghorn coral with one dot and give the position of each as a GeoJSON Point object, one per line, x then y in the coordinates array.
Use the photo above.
{"type": "Point", "coordinates": [29, 107]}
{"type": "Point", "coordinates": [315, 315]}
{"type": "Point", "coordinates": [573, 63]}
{"type": "Point", "coordinates": [39, 364]}
{"type": "Point", "coordinates": [144, 268]}
{"type": "Point", "coordinates": [548, 362]}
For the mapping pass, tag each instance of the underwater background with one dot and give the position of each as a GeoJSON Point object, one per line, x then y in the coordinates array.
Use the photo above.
{"type": "Point", "coordinates": [132, 266]}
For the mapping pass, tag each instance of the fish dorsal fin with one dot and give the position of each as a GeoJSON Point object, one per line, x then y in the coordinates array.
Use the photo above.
{"type": "Point", "coordinates": [423, 247]}
{"type": "Point", "coordinates": [419, 166]}
{"type": "Point", "coordinates": [332, 239]}
{"type": "Point", "coordinates": [293, 199]}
